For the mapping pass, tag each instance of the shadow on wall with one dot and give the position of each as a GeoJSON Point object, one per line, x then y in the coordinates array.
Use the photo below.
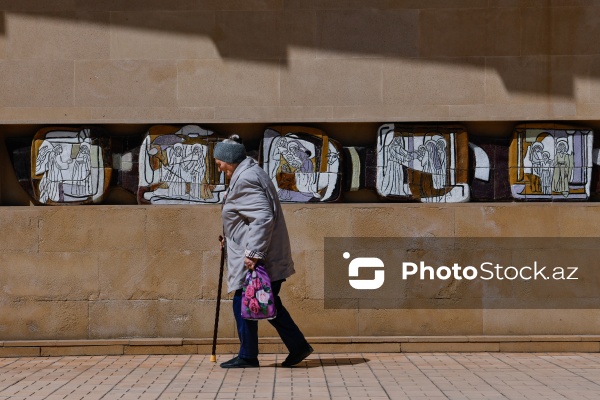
{"type": "Point", "coordinates": [525, 46]}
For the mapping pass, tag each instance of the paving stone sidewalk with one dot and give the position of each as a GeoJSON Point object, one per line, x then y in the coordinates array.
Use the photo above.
{"type": "Point", "coordinates": [321, 376]}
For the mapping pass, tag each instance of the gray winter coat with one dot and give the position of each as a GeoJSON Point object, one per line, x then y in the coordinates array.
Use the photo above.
{"type": "Point", "coordinates": [254, 225]}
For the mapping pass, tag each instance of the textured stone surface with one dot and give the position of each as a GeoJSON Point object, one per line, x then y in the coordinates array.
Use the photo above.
{"type": "Point", "coordinates": [43, 319]}
{"type": "Point", "coordinates": [540, 322]}
{"type": "Point", "coordinates": [163, 227]}
{"type": "Point", "coordinates": [114, 319]}
{"type": "Point", "coordinates": [58, 35]}
{"type": "Point", "coordinates": [159, 114]}
{"type": "Point", "coordinates": [449, 347]}
{"type": "Point", "coordinates": [92, 229]}
{"type": "Point", "coordinates": [479, 33]}
{"type": "Point", "coordinates": [125, 83]}
{"type": "Point", "coordinates": [526, 347]}
{"type": "Point", "coordinates": [389, 33]}
{"type": "Point", "coordinates": [81, 351]}
{"type": "Point", "coordinates": [184, 349]}
{"type": "Point", "coordinates": [20, 352]}
{"type": "Point", "coordinates": [435, 81]}
{"type": "Point", "coordinates": [419, 322]}
{"type": "Point", "coordinates": [516, 80]}
{"type": "Point", "coordinates": [49, 276]}
{"type": "Point", "coordinates": [53, 84]}
{"type": "Point", "coordinates": [323, 82]}
{"type": "Point", "coordinates": [66, 114]}
{"type": "Point", "coordinates": [183, 34]}
{"type": "Point", "coordinates": [281, 114]}
{"type": "Point", "coordinates": [219, 83]}
{"type": "Point", "coordinates": [373, 60]}
{"type": "Point", "coordinates": [506, 220]}
{"type": "Point", "coordinates": [311, 317]}
{"type": "Point", "coordinates": [23, 225]}
{"type": "Point", "coordinates": [151, 273]}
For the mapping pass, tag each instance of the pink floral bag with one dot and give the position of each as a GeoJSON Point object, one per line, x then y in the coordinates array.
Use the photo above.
{"type": "Point", "coordinates": [257, 297]}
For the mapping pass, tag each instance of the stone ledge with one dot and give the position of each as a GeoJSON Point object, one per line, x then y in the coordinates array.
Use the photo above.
{"type": "Point", "coordinates": [156, 342]}
{"type": "Point", "coordinates": [499, 338]}
{"type": "Point", "coordinates": [160, 349]}
{"type": "Point", "coordinates": [20, 351]}
{"type": "Point", "coordinates": [65, 343]}
{"type": "Point", "coordinates": [449, 347]}
{"type": "Point", "coordinates": [60, 351]}
{"type": "Point", "coordinates": [550, 347]}
{"type": "Point", "coordinates": [324, 344]}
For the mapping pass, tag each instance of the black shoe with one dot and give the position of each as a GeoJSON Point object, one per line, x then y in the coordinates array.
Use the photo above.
{"type": "Point", "coordinates": [239, 362]}
{"type": "Point", "coordinates": [296, 356]}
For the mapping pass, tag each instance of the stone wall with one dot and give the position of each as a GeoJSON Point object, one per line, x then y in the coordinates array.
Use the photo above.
{"type": "Point", "coordinates": [290, 61]}
{"type": "Point", "coordinates": [106, 272]}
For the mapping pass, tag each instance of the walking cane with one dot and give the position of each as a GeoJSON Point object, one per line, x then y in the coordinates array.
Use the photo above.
{"type": "Point", "coordinates": [213, 357]}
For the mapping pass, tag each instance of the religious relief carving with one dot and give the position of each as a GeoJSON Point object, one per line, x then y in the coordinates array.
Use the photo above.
{"type": "Point", "coordinates": [551, 162]}
{"type": "Point", "coordinates": [422, 163]}
{"type": "Point", "coordinates": [70, 166]}
{"type": "Point", "coordinates": [176, 166]}
{"type": "Point", "coordinates": [304, 164]}
{"type": "Point", "coordinates": [430, 163]}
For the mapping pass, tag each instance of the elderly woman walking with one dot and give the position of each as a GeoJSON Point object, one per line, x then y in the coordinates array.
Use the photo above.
{"type": "Point", "coordinates": [255, 230]}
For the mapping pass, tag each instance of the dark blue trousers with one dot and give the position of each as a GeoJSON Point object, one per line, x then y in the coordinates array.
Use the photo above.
{"type": "Point", "coordinates": [284, 324]}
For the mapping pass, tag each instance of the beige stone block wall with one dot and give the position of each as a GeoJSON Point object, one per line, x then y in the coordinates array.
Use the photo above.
{"type": "Point", "coordinates": [108, 272]}
{"type": "Point", "coordinates": [42, 319]}
{"type": "Point", "coordinates": [50, 38]}
{"type": "Point", "coordinates": [31, 83]}
{"type": "Point", "coordinates": [111, 272]}
{"type": "Point", "coordinates": [292, 61]}
{"type": "Point", "coordinates": [109, 83]}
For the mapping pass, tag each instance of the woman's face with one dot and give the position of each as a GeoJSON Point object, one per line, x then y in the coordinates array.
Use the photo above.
{"type": "Point", "coordinates": [226, 167]}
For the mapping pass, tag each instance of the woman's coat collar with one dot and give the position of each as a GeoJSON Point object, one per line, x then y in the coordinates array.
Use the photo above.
{"type": "Point", "coordinates": [244, 165]}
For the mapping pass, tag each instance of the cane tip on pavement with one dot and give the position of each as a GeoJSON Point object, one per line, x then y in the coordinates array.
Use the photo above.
{"type": "Point", "coordinates": [213, 358]}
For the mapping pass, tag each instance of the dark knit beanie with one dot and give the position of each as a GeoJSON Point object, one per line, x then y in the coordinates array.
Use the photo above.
{"type": "Point", "coordinates": [230, 151]}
